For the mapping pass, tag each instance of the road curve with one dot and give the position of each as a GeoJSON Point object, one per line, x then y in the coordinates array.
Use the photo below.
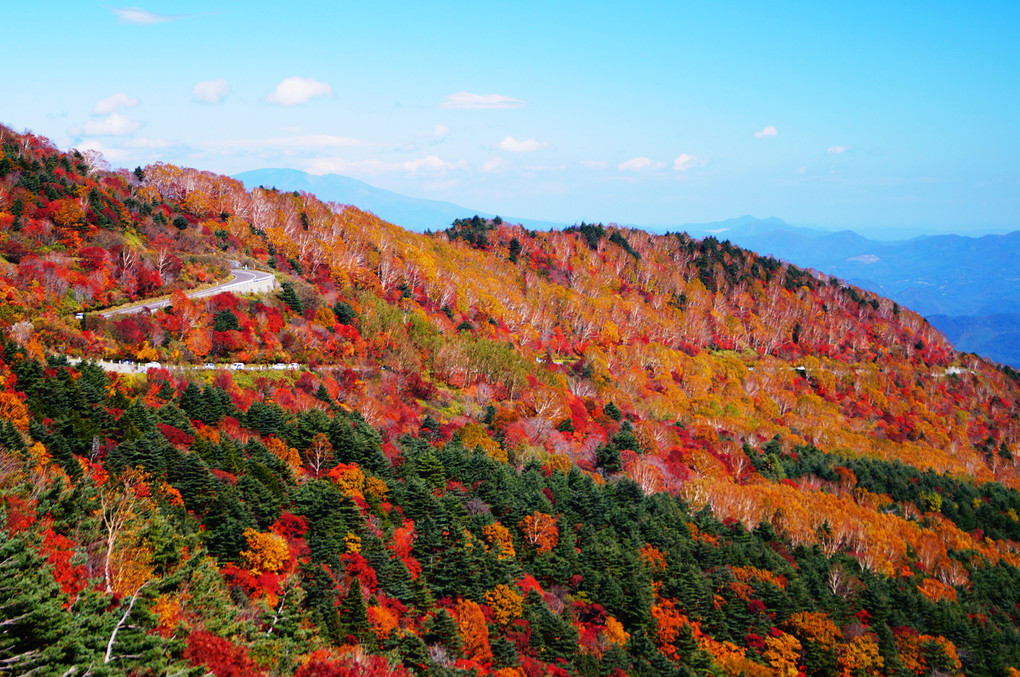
{"type": "Point", "coordinates": [242, 280]}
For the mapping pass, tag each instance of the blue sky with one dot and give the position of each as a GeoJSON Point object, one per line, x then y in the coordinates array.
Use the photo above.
{"type": "Point", "coordinates": [871, 115]}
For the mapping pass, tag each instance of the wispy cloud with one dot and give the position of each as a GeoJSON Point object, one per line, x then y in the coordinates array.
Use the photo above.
{"type": "Point", "coordinates": [112, 103]}
{"type": "Point", "coordinates": [640, 163]}
{"type": "Point", "coordinates": [594, 164]}
{"type": "Point", "coordinates": [768, 132]}
{"type": "Point", "coordinates": [337, 165]}
{"type": "Point", "coordinates": [838, 149]}
{"type": "Point", "coordinates": [438, 132]}
{"type": "Point", "coordinates": [112, 125]}
{"type": "Point", "coordinates": [684, 162]}
{"type": "Point", "coordinates": [135, 15]}
{"type": "Point", "coordinates": [527, 146]}
{"type": "Point", "coordinates": [479, 101]}
{"type": "Point", "coordinates": [148, 144]}
{"type": "Point", "coordinates": [493, 165]}
{"type": "Point", "coordinates": [430, 165]}
{"type": "Point", "coordinates": [293, 91]}
{"type": "Point", "coordinates": [210, 91]}
{"type": "Point", "coordinates": [309, 141]}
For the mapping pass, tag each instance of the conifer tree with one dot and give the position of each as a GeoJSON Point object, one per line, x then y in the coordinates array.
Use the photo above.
{"type": "Point", "coordinates": [354, 615]}
{"type": "Point", "coordinates": [290, 297]}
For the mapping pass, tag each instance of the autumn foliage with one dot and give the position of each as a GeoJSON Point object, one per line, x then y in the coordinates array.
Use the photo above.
{"type": "Point", "coordinates": [484, 450]}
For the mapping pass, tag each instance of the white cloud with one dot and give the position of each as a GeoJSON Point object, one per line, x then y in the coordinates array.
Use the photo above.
{"type": "Point", "coordinates": [801, 170]}
{"type": "Point", "coordinates": [594, 164]}
{"type": "Point", "coordinates": [769, 131]}
{"type": "Point", "coordinates": [493, 165]}
{"type": "Point", "coordinates": [431, 163]}
{"type": "Point", "coordinates": [108, 153]}
{"type": "Point", "coordinates": [514, 146]}
{"type": "Point", "coordinates": [134, 15]}
{"type": "Point", "coordinates": [293, 91]}
{"type": "Point", "coordinates": [210, 91]}
{"type": "Point", "coordinates": [684, 162]}
{"type": "Point", "coordinates": [316, 141]}
{"type": "Point", "coordinates": [148, 144]}
{"type": "Point", "coordinates": [476, 101]}
{"type": "Point", "coordinates": [640, 163]}
{"type": "Point", "coordinates": [439, 132]}
{"type": "Point", "coordinates": [308, 141]}
{"type": "Point", "coordinates": [112, 125]}
{"type": "Point", "coordinates": [838, 149]}
{"type": "Point", "coordinates": [112, 103]}
{"type": "Point", "coordinates": [337, 165]}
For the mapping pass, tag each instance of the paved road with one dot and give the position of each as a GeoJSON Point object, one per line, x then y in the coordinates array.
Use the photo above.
{"type": "Point", "coordinates": [242, 280]}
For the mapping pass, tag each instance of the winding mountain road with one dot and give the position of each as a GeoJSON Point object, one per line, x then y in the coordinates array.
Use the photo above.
{"type": "Point", "coordinates": [243, 281]}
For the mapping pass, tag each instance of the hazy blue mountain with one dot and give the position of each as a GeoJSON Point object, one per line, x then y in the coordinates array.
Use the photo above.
{"type": "Point", "coordinates": [746, 226]}
{"type": "Point", "coordinates": [996, 337]}
{"type": "Point", "coordinates": [968, 287]}
{"type": "Point", "coordinates": [410, 212]}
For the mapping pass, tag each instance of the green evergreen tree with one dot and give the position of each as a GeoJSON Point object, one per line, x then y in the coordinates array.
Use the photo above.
{"type": "Point", "coordinates": [290, 297]}
{"type": "Point", "coordinates": [354, 615]}
{"type": "Point", "coordinates": [31, 606]}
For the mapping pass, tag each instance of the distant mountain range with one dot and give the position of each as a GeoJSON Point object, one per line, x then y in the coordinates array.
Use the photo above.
{"type": "Point", "coordinates": [968, 287]}
{"type": "Point", "coordinates": [410, 212]}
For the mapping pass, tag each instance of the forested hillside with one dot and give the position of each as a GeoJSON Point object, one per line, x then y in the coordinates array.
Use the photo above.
{"type": "Point", "coordinates": [587, 452]}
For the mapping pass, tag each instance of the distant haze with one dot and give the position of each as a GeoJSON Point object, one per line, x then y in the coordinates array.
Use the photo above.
{"type": "Point", "coordinates": [408, 212]}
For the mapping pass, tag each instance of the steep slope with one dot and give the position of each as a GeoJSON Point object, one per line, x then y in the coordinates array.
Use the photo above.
{"type": "Point", "coordinates": [502, 451]}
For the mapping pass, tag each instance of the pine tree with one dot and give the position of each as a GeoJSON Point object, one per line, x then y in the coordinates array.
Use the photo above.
{"type": "Point", "coordinates": [290, 297]}
{"type": "Point", "coordinates": [31, 606]}
{"type": "Point", "coordinates": [354, 615]}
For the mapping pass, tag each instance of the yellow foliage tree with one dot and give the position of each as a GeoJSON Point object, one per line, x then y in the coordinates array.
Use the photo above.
{"type": "Point", "coordinates": [349, 478]}
{"type": "Point", "coordinates": [499, 537]}
{"type": "Point", "coordinates": [814, 626]}
{"type": "Point", "coordinates": [352, 543]}
{"type": "Point", "coordinates": [146, 353]}
{"type": "Point", "coordinates": [506, 604]}
{"type": "Point", "coordinates": [783, 654]}
{"type": "Point", "coordinates": [266, 553]}
{"type": "Point", "coordinates": [859, 657]}
{"type": "Point", "coordinates": [288, 455]}
{"type": "Point", "coordinates": [13, 409]}
{"type": "Point", "coordinates": [615, 634]}
{"type": "Point", "coordinates": [474, 436]}
{"type": "Point", "coordinates": [914, 650]}
{"type": "Point", "coordinates": [375, 489]}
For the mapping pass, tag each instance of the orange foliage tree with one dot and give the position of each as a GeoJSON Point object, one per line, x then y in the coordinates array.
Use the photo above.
{"type": "Point", "coordinates": [540, 531]}
{"type": "Point", "coordinates": [473, 630]}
